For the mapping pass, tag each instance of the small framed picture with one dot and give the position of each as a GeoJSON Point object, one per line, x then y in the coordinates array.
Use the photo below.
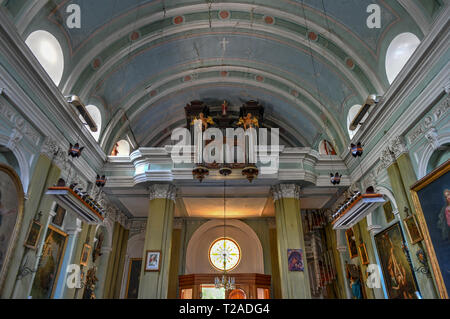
{"type": "Point", "coordinates": [295, 260]}
{"type": "Point", "coordinates": [152, 260]}
{"type": "Point", "coordinates": [413, 229]}
{"type": "Point", "coordinates": [33, 235]}
{"type": "Point", "coordinates": [85, 254]}
{"type": "Point", "coordinates": [363, 254]}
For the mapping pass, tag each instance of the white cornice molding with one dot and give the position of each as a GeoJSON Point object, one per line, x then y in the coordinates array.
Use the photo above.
{"type": "Point", "coordinates": [28, 68]}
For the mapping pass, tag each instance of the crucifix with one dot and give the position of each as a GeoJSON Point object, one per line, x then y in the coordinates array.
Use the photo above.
{"type": "Point", "coordinates": [224, 43]}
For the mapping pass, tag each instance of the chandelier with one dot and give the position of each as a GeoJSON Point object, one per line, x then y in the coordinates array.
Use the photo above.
{"type": "Point", "coordinates": [226, 282]}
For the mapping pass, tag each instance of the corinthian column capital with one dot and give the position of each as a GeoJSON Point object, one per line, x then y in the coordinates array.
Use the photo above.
{"type": "Point", "coordinates": [165, 191]}
{"type": "Point", "coordinates": [285, 191]}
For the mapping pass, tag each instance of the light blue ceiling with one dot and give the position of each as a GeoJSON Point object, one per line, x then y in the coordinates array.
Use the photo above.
{"type": "Point", "coordinates": [133, 57]}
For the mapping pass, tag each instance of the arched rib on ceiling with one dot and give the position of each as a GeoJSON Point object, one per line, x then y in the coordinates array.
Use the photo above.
{"type": "Point", "coordinates": [155, 113]}
{"type": "Point", "coordinates": [350, 51]}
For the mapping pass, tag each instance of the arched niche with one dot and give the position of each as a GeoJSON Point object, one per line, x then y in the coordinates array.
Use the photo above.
{"type": "Point", "coordinates": [135, 251]}
{"type": "Point", "coordinates": [121, 148]}
{"type": "Point", "coordinates": [19, 161]}
{"type": "Point", "coordinates": [197, 259]}
{"type": "Point", "coordinates": [443, 142]}
{"type": "Point", "coordinates": [326, 148]}
{"type": "Point", "coordinates": [11, 216]}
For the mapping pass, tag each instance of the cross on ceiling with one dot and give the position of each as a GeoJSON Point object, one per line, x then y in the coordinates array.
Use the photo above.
{"type": "Point", "coordinates": [224, 43]}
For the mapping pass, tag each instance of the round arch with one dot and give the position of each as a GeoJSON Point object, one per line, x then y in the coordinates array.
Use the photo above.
{"type": "Point", "coordinates": [428, 152]}
{"type": "Point", "coordinates": [197, 259]}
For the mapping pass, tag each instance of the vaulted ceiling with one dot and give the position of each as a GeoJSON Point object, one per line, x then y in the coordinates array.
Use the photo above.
{"type": "Point", "coordinates": [306, 61]}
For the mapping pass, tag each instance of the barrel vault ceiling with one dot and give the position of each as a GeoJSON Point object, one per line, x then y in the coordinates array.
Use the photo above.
{"type": "Point", "coordinates": [306, 61]}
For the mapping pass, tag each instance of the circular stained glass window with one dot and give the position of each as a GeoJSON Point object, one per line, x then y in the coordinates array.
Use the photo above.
{"type": "Point", "coordinates": [224, 254]}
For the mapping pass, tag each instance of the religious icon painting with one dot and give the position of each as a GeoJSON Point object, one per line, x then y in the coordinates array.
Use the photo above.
{"type": "Point", "coordinates": [33, 235]}
{"type": "Point", "coordinates": [295, 260]}
{"type": "Point", "coordinates": [85, 254]}
{"type": "Point", "coordinates": [387, 208]}
{"type": "Point", "coordinates": [353, 251]}
{"type": "Point", "coordinates": [431, 197]}
{"type": "Point", "coordinates": [11, 215]}
{"type": "Point", "coordinates": [152, 260]}
{"type": "Point", "coordinates": [397, 272]}
{"type": "Point", "coordinates": [46, 277]}
{"type": "Point", "coordinates": [363, 254]}
{"type": "Point", "coordinates": [60, 213]}
{"type": "Point", "coordinates": [413, 229]}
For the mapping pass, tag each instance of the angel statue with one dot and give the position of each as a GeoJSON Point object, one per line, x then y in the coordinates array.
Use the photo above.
{"type": "Point", "coordinates": [205, 120]}
{"type": "Point", "coordinates": [248, 121]}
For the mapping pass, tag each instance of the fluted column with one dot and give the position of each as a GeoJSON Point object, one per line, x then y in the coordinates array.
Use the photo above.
{"type": "Point", "coordinates": [294, 284]}
{"type": "Point", "coordinates": [154, 285]}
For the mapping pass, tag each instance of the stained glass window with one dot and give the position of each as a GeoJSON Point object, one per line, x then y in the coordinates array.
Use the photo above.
{"type": "Point", "coordinates": [224, 254]}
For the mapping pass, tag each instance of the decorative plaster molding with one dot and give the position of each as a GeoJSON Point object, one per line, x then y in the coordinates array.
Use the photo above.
{"type": "Point", "coordinates": [430, 120]}
{"type": "Point", "coordinates": [398, 146]}
{"type": "Point", "coordinates": [374, 229]}
{"type": "Point", "coordinates": [21, 128]}
{"type": "Point", "coordinates": [138, 226]}
{"type": "Point", "coordinates": [432, 137]}
{"type": "Point", "coordinates": [272, 223]}
{"type": "Point", "coordinates": [178, 223]}
{"type": "Point", "coordinates": [167, 191]}
{"type": "Point", "coordinates": [387, 158]}
{"type": "Point", "coordinates": [285, 191]}
{"type": "Point", "coordinates": [341, 249]}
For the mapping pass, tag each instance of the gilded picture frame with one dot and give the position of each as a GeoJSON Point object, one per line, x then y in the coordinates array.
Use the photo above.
{"type": "Point", "coordinates": [351, 243]}
{"type": "Point", "coordinates": [413, 229]}
{"type": "Point", "coordinates": [363, 254]}
{"type": "Point", "coordinates": [33, 235]}
{"type": "Point", "coordinates": [18, 188]}
{"type": "Point", "coordinates": [152, 260]}
{"type": "Point", "coordinates": [419, 186]}
{"type": "Point", "coordinates": [85, 254]}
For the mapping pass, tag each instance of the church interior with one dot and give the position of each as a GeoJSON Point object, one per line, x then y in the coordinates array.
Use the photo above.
{"type": "Point", "coordinates": [245, 149]}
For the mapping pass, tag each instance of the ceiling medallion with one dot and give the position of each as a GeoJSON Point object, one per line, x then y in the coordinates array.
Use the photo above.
{"type": "Point", "coordinates": [224, 14]}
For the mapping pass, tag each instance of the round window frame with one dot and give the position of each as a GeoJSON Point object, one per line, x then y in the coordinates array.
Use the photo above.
{"type": "Point", "coordinates": [234, 242]}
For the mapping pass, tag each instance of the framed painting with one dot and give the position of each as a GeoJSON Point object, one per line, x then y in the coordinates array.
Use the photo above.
{"type": "Point", "coordinates": [33, 234]}
{"type": "Point", "coordinates": [387, 208]}
{"type": "Point", "coordinates": [363, 254]}
{"type": "Point", "coordinates": [11, 215]}
{"type": "Point", "coordinates": [60, 213]}
{"type": "Point", "coordinates": [398, 275]}
{"type": "Point", "coordinates": [431, 197]}
{"type": "Point", "coordinates": [85, 254]}
{"type": "Point", "coordinates": [134, 274]}
{"type": "Point", "coordinates": [295, 260]}
{"type": "Point", "coordinates": [152, 260]}
{"type": "Point", "coordinates": [414, 233]}
{"type": "Point", "coordinates": [50, 264]}
{"type": "Point", "coordinates": [351, 243]}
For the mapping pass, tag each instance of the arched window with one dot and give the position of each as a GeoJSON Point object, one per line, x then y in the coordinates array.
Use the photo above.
{"type": "Point", "coordinates": [350, 116]}
{"type": "Point", "coordinates": [121, 148]}
{"type": "Point", "coordinates": [399, 52]}
{"type": "Point", "coordinates": [48, 52]}
{"type": "Point", "coordinates": [94, 112]}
